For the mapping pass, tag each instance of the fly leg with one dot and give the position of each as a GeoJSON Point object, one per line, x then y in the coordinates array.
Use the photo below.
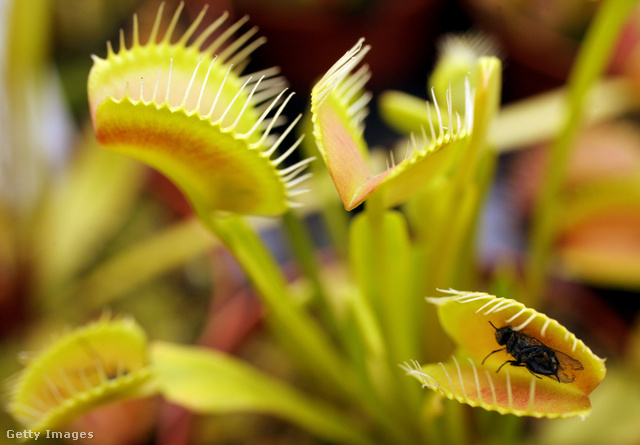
{"type": "Point", "coordinates": [491, 353]}
{"type": "Point", "coordinates": [512, 362]}
{"type": "Point", "coordinates": [517, 363]}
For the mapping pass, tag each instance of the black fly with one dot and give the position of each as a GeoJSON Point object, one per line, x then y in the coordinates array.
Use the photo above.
{"type": "Point", "coordinates": [535, 355]}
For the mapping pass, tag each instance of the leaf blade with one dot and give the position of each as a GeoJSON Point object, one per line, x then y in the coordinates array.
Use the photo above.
{"type": "Point", "coordinates": [210, 382]}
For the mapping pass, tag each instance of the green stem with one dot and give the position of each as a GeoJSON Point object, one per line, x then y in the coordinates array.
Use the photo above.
{"type": "Point", "coordinates": [304, 251]}
{"type": "Point", "coordinates": [590, 63]}
{"type": "Point", "coordinates": [298, 331]}
{"type": "Point", "coordinates": [382, 261]}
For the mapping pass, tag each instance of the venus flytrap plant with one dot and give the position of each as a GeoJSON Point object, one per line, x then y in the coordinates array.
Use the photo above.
{"type": "Point", "coordinates": [379, 241]}
{"type": "Point", "coordinates": [187, 112]}
{"type": "Point", "coordinates": [338, 112]}
{"type": "Point", "coordinates": [536, 120]}
{"type": "Point", "coordinates": [381, 255]}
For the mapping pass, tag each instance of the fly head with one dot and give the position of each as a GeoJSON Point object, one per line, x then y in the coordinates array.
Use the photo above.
{"type": "Point", "coordinates": [503, 334]}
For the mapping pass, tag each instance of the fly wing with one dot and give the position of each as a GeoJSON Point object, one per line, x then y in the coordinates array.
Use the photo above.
{"type": "Point", "coordinates": [530, 341]}
{"type": "Point", "coordinates": [566, 366]}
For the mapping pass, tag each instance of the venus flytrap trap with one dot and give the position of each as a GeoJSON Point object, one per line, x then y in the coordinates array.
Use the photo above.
{"type": "Point", "coordinates": [456, 66]}
{"type": "Point", "coordinates": [458, 56]}
{"type": "Point", "coordinates": [105, 361]}
{"type": "Point", "coordinates": [187, 112]}
{"type": "Point", "coordinates": [338, 110]}
{"type": "Point", "coordinates": [518, 388]}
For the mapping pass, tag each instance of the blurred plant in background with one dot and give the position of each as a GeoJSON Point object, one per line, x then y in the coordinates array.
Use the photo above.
{"type": "Point", "coordinates": [86, 231]}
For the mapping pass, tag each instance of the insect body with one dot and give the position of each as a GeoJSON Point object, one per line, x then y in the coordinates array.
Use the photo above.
{"type": "Point", "coordinates": [534, 355]}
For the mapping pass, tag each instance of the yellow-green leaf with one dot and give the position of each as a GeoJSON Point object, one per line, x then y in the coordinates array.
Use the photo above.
{"type": "Point", "coordinates": [211, 382]}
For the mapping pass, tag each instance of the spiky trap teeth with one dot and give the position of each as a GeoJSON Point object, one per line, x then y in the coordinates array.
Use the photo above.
{"type": "Point", "coordinates": [104, 361]}
{"type": "Point", "coordinates": [554, 378]}
{"type": "Point", "coordinates": [338, 105]}
{"type": "Point", "coordinates": [185, 109]}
